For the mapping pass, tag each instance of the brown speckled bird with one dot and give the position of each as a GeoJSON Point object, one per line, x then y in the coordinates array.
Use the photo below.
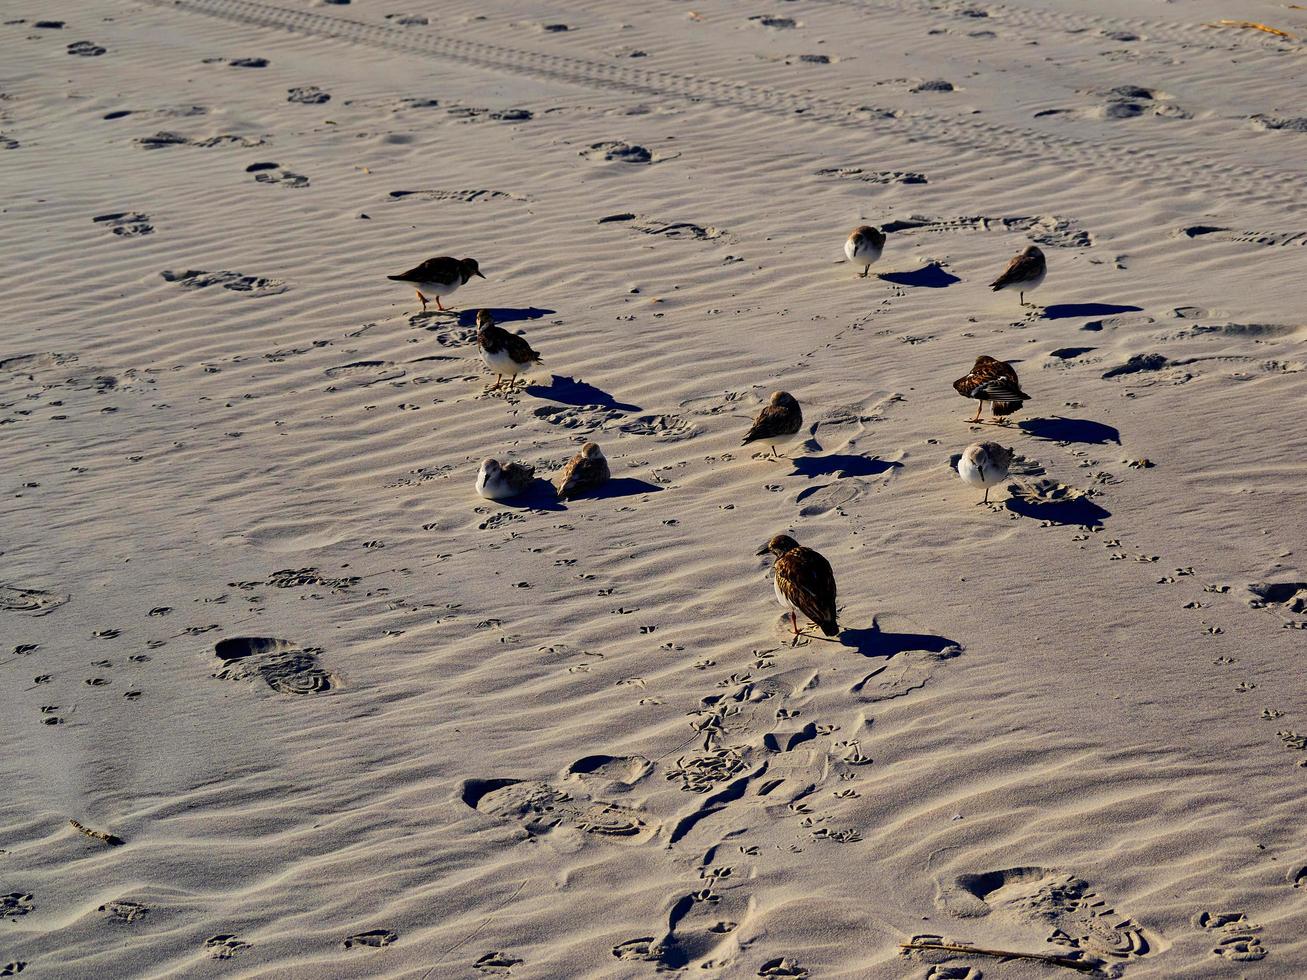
{"type": "Point", "coordinates": [584, 472]}
{"type": "Point", "coordinates": [1024, 273]}
{"type": "Point", "coordinates": [804, 583]}
{"type": "Point", "coordinates": [504, 353]}
{"type": "Point", "coordinates": [992, 381]}
{"type": "Point", "coordinates": [778, 423]}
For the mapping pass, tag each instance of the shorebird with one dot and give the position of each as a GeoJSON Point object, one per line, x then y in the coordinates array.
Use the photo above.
{"type": "Point", "coordinates": [864, 246]}
{"type": "Point", "coordinates": [804, 583]}
{"type": "Point", "coordinates": [985, 464]}
{"type": "Point", "coordinates": [496, 482]}
{"type": "Point", "coordinates": [504, 353]}
{"type": "Point", "coordinates": [585, 471]}
{"type": "Point", "coordinates": [439, 277]}
{"type": "Point", "coordinates": [1024, 273]}
{"type": "Point", "coordinates": [778, 423]}
{"type": "Point", "coordinates": [992, 381]}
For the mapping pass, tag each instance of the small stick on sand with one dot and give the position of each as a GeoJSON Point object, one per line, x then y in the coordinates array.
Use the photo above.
{"type": "Point", "coordinates": [99, 835]}
{"type": "Point", "coordinates": [1006, 954]}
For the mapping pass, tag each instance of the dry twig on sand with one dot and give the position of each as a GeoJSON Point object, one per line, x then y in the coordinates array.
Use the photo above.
{"type": "Point", "coordinates": [99, 835]}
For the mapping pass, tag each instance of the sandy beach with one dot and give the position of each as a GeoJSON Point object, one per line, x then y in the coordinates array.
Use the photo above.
{"type": "Point", "coordinates": [282, 697]}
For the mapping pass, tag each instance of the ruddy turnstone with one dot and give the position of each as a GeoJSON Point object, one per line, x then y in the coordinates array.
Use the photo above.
{"type": "Point", "coordinates": [585, 471]}
{"type": "Point", "coordinates": [778, 423]}
{"type": "Point", "coordinates": [504, 353]}
{"type": "Point", "coordinates": [496, 482]}
{"type": "Point", "coordinates": [1024, 273]}
{"type": "Point", "coordinates": [804, 583]}
{"type": "Point", "coordinates": [864, 246]}
{"type": "Point", "coordinates": [995, 382]}
{"type": "Point", "coordinates": [985, 464]}
{"type": "Point", "coordinates": [439, 277]}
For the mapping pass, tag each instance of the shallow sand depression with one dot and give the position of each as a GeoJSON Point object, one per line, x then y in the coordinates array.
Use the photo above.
{"type": "Point", "coordinates": [281, 696]}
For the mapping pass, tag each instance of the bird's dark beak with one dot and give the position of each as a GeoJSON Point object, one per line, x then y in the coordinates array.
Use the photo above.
{"type": "Point", "coordinates": [763, 550]}
{"type": "Point", "coordinates": [480, 274]}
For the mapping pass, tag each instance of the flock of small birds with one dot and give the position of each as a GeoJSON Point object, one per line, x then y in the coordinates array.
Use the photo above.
{"type": "Point", "coordinates": [803, 580]}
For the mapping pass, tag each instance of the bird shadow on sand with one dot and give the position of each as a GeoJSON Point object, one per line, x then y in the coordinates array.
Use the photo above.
{"type": "Point", "coordinates": [1080, 512]}
{"type": "Point", "coordinates": [570, 391]}
{"type": "Point", "coordinates": [540, 495]}
{"type": "Point", "coordinates": [841, 465]}
{"type": "Point", "coordinates": [502, 314]}
{"type": "Point", "coordinates": [621, 486]}
{"type": "Point", "coordinates": [932, 276]}
{"type": "Point", "coordinates": [875, 642]}
{"type": "Point", "coordinates": [1068, 311]}
{"type": "Point", "coordinates": [1059, 429]}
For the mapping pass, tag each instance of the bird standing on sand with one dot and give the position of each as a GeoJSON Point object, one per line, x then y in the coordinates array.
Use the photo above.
{"type": "Point", "coordinates": [985, 464]}
{"type": "Point", "coordinates": [864, 246]}
{"type": "Point", "coordinates": [804, 583]}
{"type": "Point", "coordinates": [992, 381]}
{"type": "Point", "coordinates": [584, 472]}
{"type": "Point", "coordinates": [504, 353]}
{"type": "Point", "coordinates": [439, 277]}
{"type": "Point", "coordinates": [778, 423]}
{"type": "Point", "coordinates": [1024, 273]}
{"type": "Point", "coordinates": [496, 482]}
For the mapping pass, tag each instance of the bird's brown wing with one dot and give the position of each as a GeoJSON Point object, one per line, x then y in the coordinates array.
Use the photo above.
{"type": "Point", "coordinates": [1022, 268]}
{"type": "Point", "coordinates": [774, 421]}
{"type": "Point", "coordinates": [582, 474]}
{"type": "Point", "coordinates": [990, 378]}
{"type": "Point", "coordinates": [806, 580]}
{"type": "Point", "coordinates": [518, 349]}
{"type": "Point", "coordinates": [441, 269]}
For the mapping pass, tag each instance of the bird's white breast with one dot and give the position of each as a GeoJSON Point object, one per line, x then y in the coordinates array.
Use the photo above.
{"type": "Point", "coordinates": [501, 362]}
{"type": "Point", "coordinates": [441, 289]}
{"type": "Point", "coordinates": [780, 596]}
{"type": "Point", "coordinates": [980, 472]}
{"type": "Point", "coordinates": [861, 251]}
{"type": "Point", "coordinates": [496, 488]}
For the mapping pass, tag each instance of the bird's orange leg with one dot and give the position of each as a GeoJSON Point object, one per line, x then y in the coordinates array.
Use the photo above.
{"type": "Point", "coordinates": [423, 298]}
{"type": "Point", "coordinates": [980, 407]}
{"type": "Point", "coordinates": [438, 306]}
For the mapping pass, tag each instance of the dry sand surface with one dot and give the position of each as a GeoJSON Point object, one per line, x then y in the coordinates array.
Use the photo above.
{"type": "Point", "coordinates": [341, 717]}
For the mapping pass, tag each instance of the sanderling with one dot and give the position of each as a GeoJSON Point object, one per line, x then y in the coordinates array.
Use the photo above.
{"type": "Point", "coordinates": [985, 464]}
{"type": "Point", "coordinates": [778, 423]}
{"type": "Point", "coordinates": [496, 482]}
{"type": "Point", "coordinates": [1024, 273]}
{"type": "Point", "coordinates": [585, 471]}
{"type": "Point", "coordinates": [864, 246]}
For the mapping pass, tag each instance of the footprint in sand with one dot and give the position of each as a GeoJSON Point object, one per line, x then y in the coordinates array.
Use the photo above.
{"type": "Point", "coordinates": [543, 809]}
{"type": "Point", "coordinates": [496, 964]}
{"type": "Point", "coordinates": [782, 966]}
{"type": "Point", "coordinates": [1238, 940]}
{"type": "Point", "coordinates": [124, 911]}
{"type": "Point", "coordinates": [1059, 906]}
{"type": "Point", "coordinates": [15, 904]}
{"type": "Point", "coordinates": [287, 667]}
{"type": "Point", "coordinates": [224, 946]}
{"type": "Point", "coordinates": [374, 938]}
{"type": "Point", "coordinates": [38, 602]}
